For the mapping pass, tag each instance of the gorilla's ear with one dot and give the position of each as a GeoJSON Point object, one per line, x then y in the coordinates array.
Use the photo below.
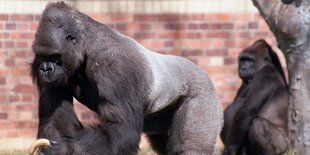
{"type": "Point", "coordinates": [274, 59]}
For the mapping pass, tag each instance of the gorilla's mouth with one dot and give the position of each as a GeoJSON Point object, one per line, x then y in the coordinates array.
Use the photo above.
{"type": "Point", "coordinates": [52, 80]}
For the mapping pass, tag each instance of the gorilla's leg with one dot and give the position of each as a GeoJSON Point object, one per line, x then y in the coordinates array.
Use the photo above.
{"type": "Point", "coordinates": [195, 126]}
{"type": "Point", "coordinates": [229, 114]}
{"type": "Point", "coordinates": [268, 137]}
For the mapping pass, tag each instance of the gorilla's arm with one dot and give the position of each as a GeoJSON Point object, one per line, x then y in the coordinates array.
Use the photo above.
{"type": "Point", "coordinates": [59, 124]}
{"type": "Point", "coordinates": [50, 103]}
{"type": "Point", "coordinates": [232, 109]}
{"type": "Point", "coordinates": [120, 104]}
{"type": "Point", "coordinates": [258, 94]}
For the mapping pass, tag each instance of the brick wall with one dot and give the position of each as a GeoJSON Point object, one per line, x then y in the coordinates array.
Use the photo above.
{"type": "Point", "coordinates": [210, 40]}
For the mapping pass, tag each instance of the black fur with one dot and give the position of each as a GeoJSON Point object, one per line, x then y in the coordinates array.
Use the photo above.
{"type": "Point", "coordinates": [256, 122]}
{"type": "Point", "coordinates": [288, 1]}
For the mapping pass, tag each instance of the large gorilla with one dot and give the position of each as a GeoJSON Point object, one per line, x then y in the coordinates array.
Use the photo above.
{"type": "Point", "coordinates": [256, 122]}
{"type": "Point", "coordinates": [131, 88]}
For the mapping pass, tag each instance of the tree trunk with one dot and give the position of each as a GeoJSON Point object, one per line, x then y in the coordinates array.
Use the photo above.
{"type": "Point", "coordinates": [290, 25]}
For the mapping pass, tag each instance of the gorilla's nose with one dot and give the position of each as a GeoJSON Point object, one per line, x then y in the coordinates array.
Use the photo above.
{"type": "Point", "coordinates": [47, 68]}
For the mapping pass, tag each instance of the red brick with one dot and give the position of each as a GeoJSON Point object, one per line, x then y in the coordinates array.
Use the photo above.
{"type": "Point", "coordinates": [144, 35]}
{"type": "Point", "coordinates": [21, 44]}
{"type": "Point", "coordinates": [168, 44]}
{"type": "Point", "coordinates": [171, 52]}
{"type": "Point", "coordinates": [37, 17]}
{"type": "Point", "coordinates": [230, 61]}
{"type": "Point", "coordinates": [21, 35]}
{"type": "Point", "coordinates": [192, 26]}
{"type": "Point", "coordinates": [3, 132]}
{"type": "Point", "coordinates": [3, 99]}
{"type": "Point", "coordinates": [21, 53]}
{"type": "Point", "coordinates": [169, 35]}
{"type": "Point", "coordinates": [24, 89]}
{"type": "Point", "coordinates": [170, 26]}
{"type": "Point", "coordinates": [4, 35]}
{"type": "Point", "coordinates": [215, 26]}
{"type": "Point", "coordinates": [221, 34]}
{"type": "Point", "coordinates": [216, 52]}
{"type": "Point", "coordinates": [193, 17]}
{"type": "Point", "coordinates": [121, 17]}
{"type": "Point", "coordinates": [229, 43]}
{"type": "Point", "coordinates": [34, 26]}
{"type": "Point", "coordinates": [222, 16]}
{"type": "Point", "coordinates": [9, 62]}
{"type": "Point", "coordinates": [143, 17]}
{"type": "Point", "coordinates": [99, 17]}
{"type": "Point", "coordinates": [9, 44]}
{"type": "Point", "coordinates": [253, 25]}
{"type": "Point", "coordinates": [204, 26]}
{"type": "Point", "coordinates": [25, 124]}
{"type": "Point", "coordinates": [13, 98]}
{"type": "Point", "coordinates": [2, 81]}
{"type": "Point", "coordinates": [121, 26]}
{"type": "Point", "coordinates": [25, 107]}
{"type": "Point", "coordinates": [227, 26]}
{"type": "Point", "coordinates": [27, 98]}
{"type": "Point", "coordinates": [10, 26]}
{"type": "Point", "coordinates": [243, 34]}
{"type": "Point", "coordinates": [13, 133]}
{"type": "Point", "coordinates": [4, 17]}
{"type": "Point", "coordinates": [196, 52]}
{"type": "Point", "coordinates": [21, 17]}
{"type": "Point", "coordinates": [193, 60]}
{"type": "Point", "coordinates": [261, 34]}
{"type": "Point", "coordinates": [145, 26]}
{"type": "Point", "coordinates": [156, 43]}
{"type": "Point", "coordinates": [3, 72]}
{"type": "Point", "coordinates": [194, 35]}
{"type": "Point", "coordinates": [169, 17]}
{"type": "Point", "coordinates": [3, 116]}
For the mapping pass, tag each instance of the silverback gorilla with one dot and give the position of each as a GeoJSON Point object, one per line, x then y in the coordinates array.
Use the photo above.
{"type": "Point", "coordinates": [256, 121]}
{"type": "Point", "coordinates": [131, 88]}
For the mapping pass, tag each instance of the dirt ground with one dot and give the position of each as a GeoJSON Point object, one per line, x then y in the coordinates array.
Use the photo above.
{"type": "Point", "coordinates": [145, 148]}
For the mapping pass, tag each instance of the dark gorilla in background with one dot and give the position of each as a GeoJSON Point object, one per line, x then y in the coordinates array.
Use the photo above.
{"type": "Point", "coordinates": [131, 88]}
{"type": "Point", "coordinates": [256, 122]}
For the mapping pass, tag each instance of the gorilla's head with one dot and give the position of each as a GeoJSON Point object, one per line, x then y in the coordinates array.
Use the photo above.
{"type": "Point", "coordinates": [60, 44]}
{"type": "Point", "coordinates": [254, 58]}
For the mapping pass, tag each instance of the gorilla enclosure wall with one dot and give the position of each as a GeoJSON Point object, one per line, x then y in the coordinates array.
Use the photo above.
{"type": "Point", "coordinates": [210, 34]}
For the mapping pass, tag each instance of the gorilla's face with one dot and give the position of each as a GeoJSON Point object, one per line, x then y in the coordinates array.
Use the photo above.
{"type": "Point", "coordinates": [50, 71]}
{"type": "Point", "coordinates": [59, 48]}
{"type": "Point", "coordinates": [246, 67]}
{"type": "Point", "coordinates": [253, 59]}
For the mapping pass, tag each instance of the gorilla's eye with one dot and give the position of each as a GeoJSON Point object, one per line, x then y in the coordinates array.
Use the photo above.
{"type": "Point", "coordinates": [58, 62]}
{"type": "Point", "coordinates": [70, 37]}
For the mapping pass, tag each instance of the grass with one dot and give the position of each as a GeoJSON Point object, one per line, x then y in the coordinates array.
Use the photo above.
{"type": "Point", "coordinates": [289, 152]}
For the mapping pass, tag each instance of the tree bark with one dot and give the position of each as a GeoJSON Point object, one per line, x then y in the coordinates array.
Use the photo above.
{"type": "Point", "coordinates": [290, 25]}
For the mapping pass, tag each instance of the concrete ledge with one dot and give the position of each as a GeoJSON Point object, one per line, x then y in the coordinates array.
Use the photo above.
{"type": "Point", "coordinates": [11, 144]}
{"type": "Point", "coordinates": [135, 6]}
